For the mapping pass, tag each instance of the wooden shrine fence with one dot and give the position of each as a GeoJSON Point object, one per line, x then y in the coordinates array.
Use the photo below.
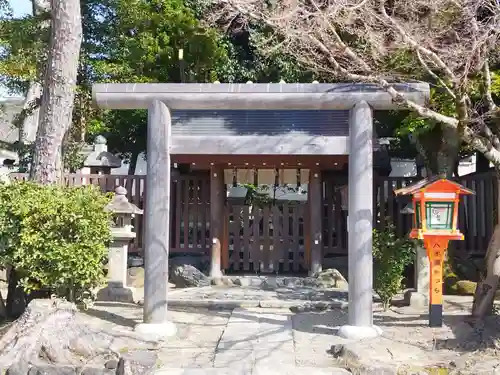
{"type": "Point", "coordinates": [279, 241]}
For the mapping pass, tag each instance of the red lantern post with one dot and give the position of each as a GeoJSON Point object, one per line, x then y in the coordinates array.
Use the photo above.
{"type": "Point", "coordinates": [435, 221]}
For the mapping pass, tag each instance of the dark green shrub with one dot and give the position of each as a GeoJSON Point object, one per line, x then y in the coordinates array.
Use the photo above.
{"type": "Point", "coordinates": [390, 257]}
{"type": "Point", "coordinates": [55, 237]}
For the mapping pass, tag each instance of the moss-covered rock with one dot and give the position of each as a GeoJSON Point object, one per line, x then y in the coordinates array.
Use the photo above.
{"type": "Point", "coordinates": [453, 286]}
{"type": "Point", "coordinates": [466, 288]}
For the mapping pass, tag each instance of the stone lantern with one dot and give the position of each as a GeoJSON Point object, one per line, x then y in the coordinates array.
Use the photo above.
{"type": "Point", "coordinates": [122, 234]}
{"type": "Point", "coordinates": [100, 160]}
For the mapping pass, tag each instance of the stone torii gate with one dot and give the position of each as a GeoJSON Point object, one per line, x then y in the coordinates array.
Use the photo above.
{"type": "Point", "coordinates": [161, 99]}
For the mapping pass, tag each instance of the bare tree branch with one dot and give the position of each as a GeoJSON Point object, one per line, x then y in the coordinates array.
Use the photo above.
{"type": "Point", "coordinates": [382, 42]}
{"type": "Point", "coordinates": [414, 44]}
{"type": "Point", "coordinates": [487, 87]}
{"type": "Point", "coordinates": [434, 75]}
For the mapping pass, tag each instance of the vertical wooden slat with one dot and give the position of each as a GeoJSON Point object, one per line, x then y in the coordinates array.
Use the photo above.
{"type": "Point", "coordinates": [185, 212]}
{"type": "Point", "coordinates": [383, 204]}
{"type": "Point", "coordinates": [489, 200]}
{"type": "Point", "coordinates": [238, 246]}
{"type": "Point", "coordinates": [307, 229]}
{"type": "Point", "coordinates": [217, 201]}
{"type": "Point", "coordinates": [473, 217]}
{"type": "Point", "coordinates": [338, 222]}
{"type": "Point", "coordinates": [481, 213]}
{"type": "Point", "coordinates": [225, 239]}
{"type": "Point", "coordinates": [174, 234]}
{"type": "Point", "coordinates": [462, 222]}
{"type": "Point", "coordinates": [399, 219]}
{"type": "Point", "coordinates": [330, 200]}
{"type": "Point", "coordinates": [390, 202]}
{"type": "Point", "coordinates": [204, 207]}
{"type": "Point", "coordinates": [286, 237]}
{"type": "Point", "coordinates": [277, 253]}
{"type": "Point", "coordinates": [470, 219]}
{"type": "Point", "coordinates": [178, 213]}
{"type": "Point", "coordinates": [256, 258]}
{"type": "Point", "coordinates": [315, 221]}
{"type": "Point", "coordinates": [266, 216]}
{"type": "Point", "coordinates": [295, 236]}
{"type": "Point", "coordinates": [195, 213]}
{"type": "Point", "coordinates": [246, 245]}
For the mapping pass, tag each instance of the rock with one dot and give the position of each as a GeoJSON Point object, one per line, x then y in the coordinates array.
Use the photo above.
{"type": "Point", "coordinates": [376, 356]}
{"type": "Point", "coordinates": [466, 288]}
{"type": "Point", "coordinates": [26, 368]}
{"type": "Point", "coordinates": [135, 261]}
{"type": "Point", "coordinates": [191, 260]}
{"type": "Point", "coordinates": [269, 284]}
{"type": "Point", "coordinates": [111, 364]}
{"type": "Point", "coordinates": [330, 278]}
{"type": "Point", "coordinates": [135, 277]}
{"type": "Point", "coordinates": [53, 337]}
{"type": "Point", "coordinates": [352, 361]}
{"type": "Point", "coordinates": [216, 281]}
{"type": "Point", "coordinates": [293, 282]}
{"type": "Point", "coordinates": [186, 276]}
{"type": "Point", "coordinates": [222, 281]}
{"type": "Point", "coordinates": [136, 363]}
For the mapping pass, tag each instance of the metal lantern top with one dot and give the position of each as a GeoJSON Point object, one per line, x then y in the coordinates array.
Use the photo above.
{"type": "Point", "coordinates": [435, 206]}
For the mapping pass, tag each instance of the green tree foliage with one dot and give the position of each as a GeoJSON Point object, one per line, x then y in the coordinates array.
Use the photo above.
{"type": "Point", "coordinates": [391, 255]}
{"type": "Point", "coordinates": [139, 41]}
{"type": "Point", "coordinates": [55, 237]}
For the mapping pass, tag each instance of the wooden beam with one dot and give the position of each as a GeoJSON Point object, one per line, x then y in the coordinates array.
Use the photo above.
{"type": "Point", "coordinates": [217, 201]}
{"type": "Point", "coordinates": [307, 225]}
{"type": "Point", "coordinates": [315, 221]}
{"type": "Point", "coordinates": [323, 162]}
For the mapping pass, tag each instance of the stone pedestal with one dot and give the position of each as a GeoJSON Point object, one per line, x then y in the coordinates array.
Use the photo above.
{"type": "Point", "coordinates": [419, 298]}
{"type": "Point", "coordinates": [121, 234]}
{"type": "Point", "coordinates": [117, 290]}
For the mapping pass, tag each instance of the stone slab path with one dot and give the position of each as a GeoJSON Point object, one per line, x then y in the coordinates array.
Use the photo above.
{"type": "Point", "coordinates": [240, 342]}
{"type": "Point", "coordinates": [254, 297]}
{"type": "Point", "coordinates": [250, 341]}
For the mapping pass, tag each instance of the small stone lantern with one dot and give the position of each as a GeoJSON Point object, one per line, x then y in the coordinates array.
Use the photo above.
{"type": "Point", "coordinates": [100, 160]}
{"type": "Point", "coordinates": [122, 234]}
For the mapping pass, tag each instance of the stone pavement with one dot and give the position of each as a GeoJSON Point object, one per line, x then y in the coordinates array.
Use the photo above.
{"type": "Point", "coordinates": [239, 342]}
{"type": "Point", "coordinates": [254, 297]}
{"type": "Point", "coordinates": [270, 341]}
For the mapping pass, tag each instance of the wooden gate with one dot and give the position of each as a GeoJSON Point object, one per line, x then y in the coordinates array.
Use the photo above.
{"type": "Point", "coordinates": [267, 239]}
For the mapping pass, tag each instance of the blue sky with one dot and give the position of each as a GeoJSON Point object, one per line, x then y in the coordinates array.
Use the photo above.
{"type": "Point", "coordinates": [21, 7]}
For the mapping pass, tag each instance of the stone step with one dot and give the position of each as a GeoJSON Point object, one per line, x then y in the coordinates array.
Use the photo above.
{"type": "Point", "coordinates": [292, 370]}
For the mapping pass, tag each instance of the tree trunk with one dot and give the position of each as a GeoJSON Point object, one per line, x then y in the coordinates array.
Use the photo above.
{"type": "Point", "coordinates": [59, 90]}
{"type": "Point", "coordinates": [16, 298]}
{"type": "Point", "coordinates": [448, 154]}
{"type": "Point", "coordinates": [487, 286]}
{"type": "Point", "coordinates": [133, 163]}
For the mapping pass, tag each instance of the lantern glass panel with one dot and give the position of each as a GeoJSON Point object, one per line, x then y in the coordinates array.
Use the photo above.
{"type": "Point", "coordinates": [418, 219]}
{"type": "Point", "coordinates": [439, 215]}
